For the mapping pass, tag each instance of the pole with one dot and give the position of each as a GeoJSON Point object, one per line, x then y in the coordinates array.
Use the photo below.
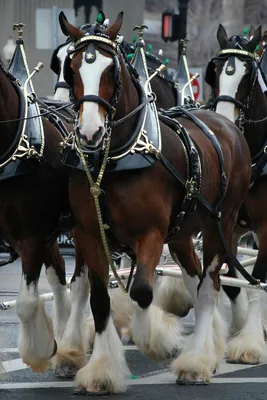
{"type": "Point", "coordinates": [55, 39]}
{"type": "Point", "coordinates": [182, 6]}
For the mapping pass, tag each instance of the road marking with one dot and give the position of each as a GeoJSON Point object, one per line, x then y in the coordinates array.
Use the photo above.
{"type": "Point", "coordinates": [9, 350]}
{"type": "Point", "coordinates": [157, 380]}
{"type": "Point", "coordinates": [5, 350]}
{"type": "Point", "coordinates": [14, 365]}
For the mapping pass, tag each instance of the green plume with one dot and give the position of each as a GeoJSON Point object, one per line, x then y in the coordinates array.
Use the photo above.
{"type": "Point", "coordinates": [99, 18]}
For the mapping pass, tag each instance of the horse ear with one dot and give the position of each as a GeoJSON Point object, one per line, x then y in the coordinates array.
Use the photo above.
{"type": "Point", "coordinates": [222, 37]}
{"type": "Point", "coordinates": [68, 29]}
{"type": "Point", "coordinates": [256, 38]}
{"type": "Point", "coordinates": [113, 30]}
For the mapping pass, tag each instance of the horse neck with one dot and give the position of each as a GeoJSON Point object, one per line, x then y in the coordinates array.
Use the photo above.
{"type": "Point", "coordinates": [164, 92]}
{"type": "Point", "coordinates": [9, 110]}
{"type": "Point", "coordinates": [256, 133]}
{"type": "Point", "coordinates": [127, 102]}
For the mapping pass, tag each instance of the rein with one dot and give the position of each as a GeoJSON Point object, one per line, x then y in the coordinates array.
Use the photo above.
{"type": "Point", "coordinates": [96, 192]}
{"type": "Point", "coordinates": [138, 108]}
{"type": "Point", "coordinates": [49, 110]}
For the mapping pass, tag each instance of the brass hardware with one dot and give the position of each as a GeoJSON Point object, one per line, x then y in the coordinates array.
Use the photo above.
{"type": "Point", "coordinates": [183, 43]}
{"type": "Point", "coordinates": [19, 28]}
{"type": "Point", "coordinates": [89, 56]}
{"type": "Point", "coordinates": [95, 190]}
{"type": "Point", "coordinates": [237, 51]}
{"type": "Point", "coordinates": [140, 28]}
{"type": "Point", "coordinates": [191, 188]}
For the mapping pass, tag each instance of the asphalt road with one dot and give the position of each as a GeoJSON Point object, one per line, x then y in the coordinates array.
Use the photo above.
{"type": "Point", "coordinates": [151, 381]}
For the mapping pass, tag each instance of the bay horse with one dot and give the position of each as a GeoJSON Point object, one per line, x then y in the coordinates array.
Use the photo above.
{"type": "Point", "coordinates": [239, 93]}
{"type": "Point", "coordinates": [141, 206]}
{"type": "Point", "coordinates": [167, 92]}
{"type": "Point", "coordinates": [262, 43]}
{"type": "Point", "coordinates": [33, 196]}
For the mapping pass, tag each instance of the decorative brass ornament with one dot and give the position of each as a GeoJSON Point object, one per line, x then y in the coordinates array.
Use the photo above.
{"type": "Point", "coordinates": [89, 56]}
{"type": "Point", "coordinates": [229, 68]}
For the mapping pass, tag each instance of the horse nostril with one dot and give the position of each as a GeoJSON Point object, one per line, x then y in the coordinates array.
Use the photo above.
{"type": "Point", "coordinates": [97, 134]}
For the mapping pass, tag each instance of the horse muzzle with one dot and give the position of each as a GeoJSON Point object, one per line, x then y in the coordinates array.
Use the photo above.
{"type": "Point", "coordinates": [94, 141]}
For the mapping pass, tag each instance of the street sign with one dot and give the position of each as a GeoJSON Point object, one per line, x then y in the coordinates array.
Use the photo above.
{"type": "Point", "coordinates": [198, 83]}
{"type": "Point", "coordinates": [45, 38]}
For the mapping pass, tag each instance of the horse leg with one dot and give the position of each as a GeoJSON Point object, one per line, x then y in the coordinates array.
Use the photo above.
{"type": "Point", "coordinates": [183, 253]}
{"type": "Point", "coordinates": [171, 294]}
{"type": "Point", "coordinates": [106, 370]}
{"type": "Point", "coordinates": [74, 344]}
{"type": "Point", "coordinates": [36, 338]}
{"type": "Point", "coordinates": [237, 296]}
{"type": "Point", "coordinates": [203, 352]}
{"type": "Point", "coordinates": [156, 333]}
{"type": "Point", "coordinates": [56, 276]}
{"type": "Point", "coordinates": [249, 346]}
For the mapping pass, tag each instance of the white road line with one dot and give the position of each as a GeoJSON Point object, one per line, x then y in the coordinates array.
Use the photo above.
{"type": "Point", "coordinates": [4, 350]}
{"type": "Point", "coordinates": [9, 350]}
{"type": "Point", "coordinates": [163, 379]}
{"type": "Point", "coordinates": [14, 365]}
{"type": "Point", "coordinates": [226, 368]}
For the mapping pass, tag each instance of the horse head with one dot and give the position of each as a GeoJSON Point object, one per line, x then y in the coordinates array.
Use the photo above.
{"type": "Point", "coordinates": [93, 71]}
{"type": "Point", "coordinates": [57, 62]}
{"type": "Point", "coordinates": [234, 72]}
{"type": "Point", "coordinates": [261, 46]}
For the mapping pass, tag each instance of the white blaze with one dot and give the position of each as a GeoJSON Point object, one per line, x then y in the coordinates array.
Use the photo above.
{"type": "Point", "coordinates": [61, 93]}
{"type": "Point", "coordinates": [91, 120]}
{"type": "Point", "coordinates": [228, 86]}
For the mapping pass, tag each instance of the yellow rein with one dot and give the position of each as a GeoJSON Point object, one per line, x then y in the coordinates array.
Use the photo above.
{"type": "Point", "coordinates": [96, 191]}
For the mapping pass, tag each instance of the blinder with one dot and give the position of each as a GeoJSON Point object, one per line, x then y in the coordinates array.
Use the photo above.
{"type": "Point", "coordinates": [54, 64]}
{"type": "Point", "coordinates": [210, 75]}
{"type": "Point", "coordinates": [67, 72]}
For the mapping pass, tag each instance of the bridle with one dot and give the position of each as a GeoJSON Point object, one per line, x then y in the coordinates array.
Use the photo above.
{"type": "Point", "coordinates": [54, 65]}
{"type": "Point", "coordinates": [88, 43]}
{"type": "Point", "coordinates": [102, 41]}
{"type": "Point", "coordinates": [243, 106]}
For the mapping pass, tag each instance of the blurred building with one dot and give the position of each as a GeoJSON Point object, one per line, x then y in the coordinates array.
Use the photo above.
{"type": "Point", "coordinates": [39, 35]}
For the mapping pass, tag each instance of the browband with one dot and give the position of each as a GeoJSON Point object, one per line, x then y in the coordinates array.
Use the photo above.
{"type": "Point", "coordinates": [237, 51]}
{"type": "Point", "coordinates": [90, 38]}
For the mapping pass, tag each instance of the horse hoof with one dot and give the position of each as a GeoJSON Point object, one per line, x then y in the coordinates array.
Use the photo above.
{"type": "Point", "coordinates": [186, 382]}
{"type": "Point", "coordinates": [65, 372]}
{"type": "Point", "coordinates": [84, 392]}
{"type": "Point", "coordinates": [240, 361]}
{"type": "Point", "coordinates": [55, 349]}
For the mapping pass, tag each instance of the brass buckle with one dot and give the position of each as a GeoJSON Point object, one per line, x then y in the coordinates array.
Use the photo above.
{"type": "Point", "coordinates": [191, 188]}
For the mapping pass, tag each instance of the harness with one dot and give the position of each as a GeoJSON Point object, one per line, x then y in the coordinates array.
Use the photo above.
{"type": "Point", "coordinates": [193, 182]}
{"type": "Point", "coordinates": [27, 149]}
{"type": "Point", "coordinates": [29, 139]}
